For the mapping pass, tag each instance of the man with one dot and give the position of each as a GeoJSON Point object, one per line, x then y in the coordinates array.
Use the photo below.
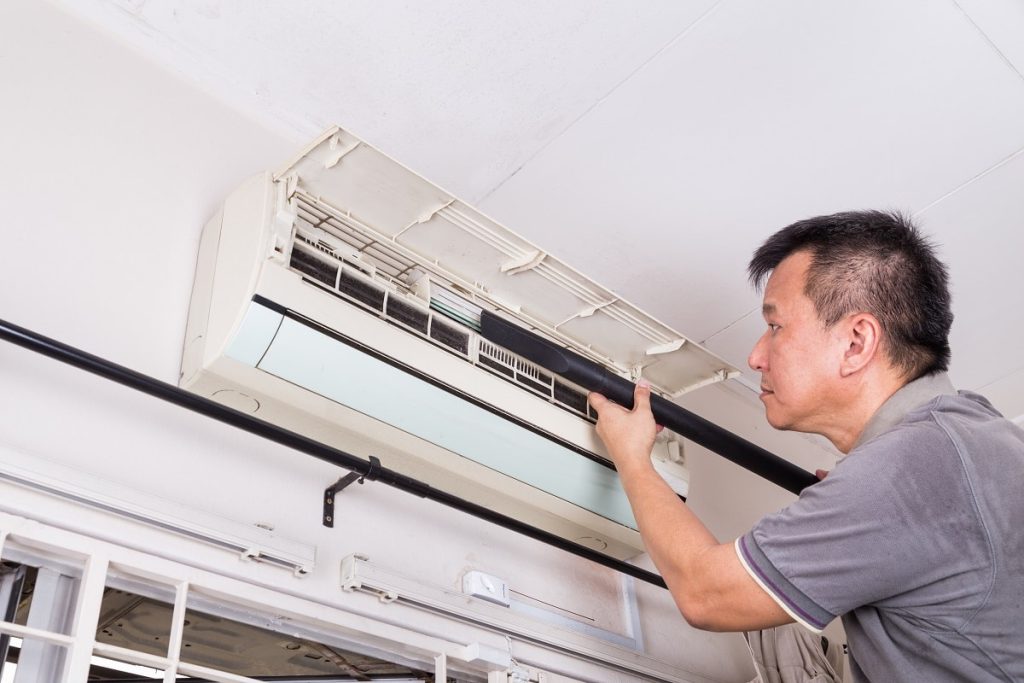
{"type": "Point", "coordinates": [916, 538]}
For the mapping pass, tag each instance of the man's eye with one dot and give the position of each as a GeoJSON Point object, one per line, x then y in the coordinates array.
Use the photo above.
{"type": "Point", "coordinates": [773, 327]}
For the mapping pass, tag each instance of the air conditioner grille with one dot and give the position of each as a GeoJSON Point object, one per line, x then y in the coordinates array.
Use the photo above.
{"type": "Point", "coordinates": [530, 376]}
{"type": "Point", "coordinates": [318, 269]}
{"type": "Point", "coordinates": [361, 290]}
{"type": "Point", "coordinates": [408, 315]}
{"type": "Point", "coordinates": [323, 264]}
{"type": "Point", "coordinates": [384, 258]}
{"type": "Point", "coordinates": [353, 285]}
{"type": "Point", "coordinates": [499, 368]}
{"type": "Point", "coordinates": [572, 398]}
{"type": "Point", "coordinates": [449, 336]}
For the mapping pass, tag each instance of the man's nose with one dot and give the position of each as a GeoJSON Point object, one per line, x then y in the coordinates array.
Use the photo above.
{"type": "Point", "coordinates": [756, 359]}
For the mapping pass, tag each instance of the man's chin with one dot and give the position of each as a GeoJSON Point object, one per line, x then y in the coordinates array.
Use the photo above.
{"type": "Point", "coordinates": [775, 420]}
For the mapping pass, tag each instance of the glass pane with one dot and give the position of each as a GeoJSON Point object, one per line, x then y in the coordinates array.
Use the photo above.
{"type": "Point", "coordinates": [13, 578]}
{"type": "Point", "coordinates": [229, 644]}
{"type": "Point", "coordinates": [134, 621]}
{"type": "Point", "coordinates": [37, 661]}
{"type": "Point", "coordinates": [40, 597]}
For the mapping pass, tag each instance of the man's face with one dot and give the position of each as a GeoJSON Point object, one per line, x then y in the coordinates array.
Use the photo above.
{"type": "Point", "coordinates": [795, 355]}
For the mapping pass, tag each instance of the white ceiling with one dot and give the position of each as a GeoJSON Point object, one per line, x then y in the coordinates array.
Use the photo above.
{"type": "Point", "coordinates": [654, 145]}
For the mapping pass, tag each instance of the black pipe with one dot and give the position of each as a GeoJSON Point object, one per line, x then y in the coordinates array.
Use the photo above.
{"type": "Point", "coordinates": [594, 377]}
{"type": "Point", "coordinates": [180, 397]}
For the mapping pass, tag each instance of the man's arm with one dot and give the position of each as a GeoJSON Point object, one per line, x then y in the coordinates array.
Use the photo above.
{"type": "Point", "coordinates": [709, 584]}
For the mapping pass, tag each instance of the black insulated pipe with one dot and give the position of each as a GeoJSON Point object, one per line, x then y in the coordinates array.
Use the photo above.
{"type": "Point", "coordinates": [180, 397]}
{"type": "Point", "coordinates": [594, 377]}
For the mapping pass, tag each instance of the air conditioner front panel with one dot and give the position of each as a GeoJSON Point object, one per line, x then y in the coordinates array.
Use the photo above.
{"type": "Point", "coordinates": [305, 299]}
{"type": "Point", "coordinates": [299, 354]}
{"type": "Point", "coordinates": [385, 194]}
{"type": "Point", "coordinates": [359, 189]}
{"type": "Point", "coordinates": [282, 402]}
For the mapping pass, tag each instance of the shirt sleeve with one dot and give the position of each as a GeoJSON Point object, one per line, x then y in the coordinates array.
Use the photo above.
{"type": "Point", "coordinates": [864, 534]}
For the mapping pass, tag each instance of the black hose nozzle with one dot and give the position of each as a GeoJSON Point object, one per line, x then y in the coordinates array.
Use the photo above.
{"type": "Point", "coordinates": [594, 377]}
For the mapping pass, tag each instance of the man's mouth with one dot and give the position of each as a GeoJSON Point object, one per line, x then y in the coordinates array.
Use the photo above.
{"type": "Point", "coordinates": [765, 391]}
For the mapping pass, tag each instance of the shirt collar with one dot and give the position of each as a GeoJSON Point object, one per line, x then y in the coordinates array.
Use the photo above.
{"type": "Point", "coordinates": [906, 398]}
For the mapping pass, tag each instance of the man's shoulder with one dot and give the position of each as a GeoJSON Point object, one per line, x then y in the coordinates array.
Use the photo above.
{"type": "Point", "coordinates": [920, 430]}
{"type": "Point", "coordinates": [928, 425]}
{"type": "Point", "coordinates": [940, 444]}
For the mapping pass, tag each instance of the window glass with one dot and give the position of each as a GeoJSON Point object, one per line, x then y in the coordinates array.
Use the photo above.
{"type": "Point", "coordinates": [45, 659]}
{"type": "Point", "coordinates": [136, 621]}
{"type": "Point", "coordinates": [248, 649]}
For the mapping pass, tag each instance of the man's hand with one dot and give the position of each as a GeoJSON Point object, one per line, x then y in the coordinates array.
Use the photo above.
{"type": "Point", "coordinates": [708, 583]}
{"type": "Point", "coordinates": [627, 434]}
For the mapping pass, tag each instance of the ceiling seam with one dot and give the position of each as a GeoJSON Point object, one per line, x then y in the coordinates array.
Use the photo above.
{"type": "Point", "coordinates": [1001, 378]}
{"type": "Point", "coordinates": [729, 326]}
{"type": "Point", "coordinates": [970, 181]}
{"type": "Point", "coordinates": [1018, 419]}
{"type": "Point", "coordinates": [675, 39]}
{"type": "Point", "coordinates": [988, 40]}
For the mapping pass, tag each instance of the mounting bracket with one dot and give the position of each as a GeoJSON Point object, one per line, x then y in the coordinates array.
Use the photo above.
{"type": "Point", "coordinates": [373, 468]}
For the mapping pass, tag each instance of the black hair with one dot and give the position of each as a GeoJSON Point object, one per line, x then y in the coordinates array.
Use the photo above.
{"type": "Point", "coordinates": [874, 262]}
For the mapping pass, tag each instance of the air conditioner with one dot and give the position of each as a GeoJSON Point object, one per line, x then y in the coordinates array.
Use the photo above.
{"type": "Point", "coordinates": [339, 298]}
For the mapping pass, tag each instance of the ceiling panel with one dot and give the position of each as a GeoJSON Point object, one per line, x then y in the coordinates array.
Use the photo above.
{"type": "Point", "coordinates": [1002, 22]}
{"type": "Point", "coordinates": [980, 230]}
{"type": "Point", "coordinates": [462, 92]}
{"type": "Point", "coordinates": [735, 343]}
{"type": "Point", "coordinates": [763, 114]}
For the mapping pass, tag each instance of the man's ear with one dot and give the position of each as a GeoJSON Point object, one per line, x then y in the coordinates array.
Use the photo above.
{"type": "Point", "coordinates": [862, 337]}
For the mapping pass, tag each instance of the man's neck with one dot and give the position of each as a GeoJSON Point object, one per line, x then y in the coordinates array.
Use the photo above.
{"type": "Point", "coordinates": [864, 398]}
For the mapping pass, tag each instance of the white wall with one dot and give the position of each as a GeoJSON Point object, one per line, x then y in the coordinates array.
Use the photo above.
{"type": "Point", "coordinates": [110, 167]}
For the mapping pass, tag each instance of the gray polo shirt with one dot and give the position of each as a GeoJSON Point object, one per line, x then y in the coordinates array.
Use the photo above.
{"type": "Point", "coordinates": [916, 539]}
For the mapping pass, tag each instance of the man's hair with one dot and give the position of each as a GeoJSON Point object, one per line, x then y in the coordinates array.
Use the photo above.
{"type": "Point", "coordinates": [873, 262]}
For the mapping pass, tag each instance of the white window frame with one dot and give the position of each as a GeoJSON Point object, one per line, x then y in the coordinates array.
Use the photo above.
{"type": "Point", "coordinates": [99, 561]}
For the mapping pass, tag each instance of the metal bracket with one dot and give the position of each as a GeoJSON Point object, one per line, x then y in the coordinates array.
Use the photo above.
{"type": "Point", "coordinates": [372, 470]}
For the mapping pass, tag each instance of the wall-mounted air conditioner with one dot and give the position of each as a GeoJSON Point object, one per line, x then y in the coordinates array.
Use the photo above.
{"type": "Point", "coordinates": [340, 298]}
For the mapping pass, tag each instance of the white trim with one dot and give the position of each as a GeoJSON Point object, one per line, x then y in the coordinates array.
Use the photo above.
{"type": "Point", "coordinates": [122, 654]}
{"type": "Point", "coordinates": [177, 628]}
{"type": "Point", "coordinates": [87, 614]}
{"type": "Point", "coordinates": [521, 624]}
{"type": "Point", "coordinates": [59, 481]}
{"type": "Point", "coordinates": [213, 675]}
{"type": "Point", "coordinates": [773, 596]}
{"type": "Point", "coordinates": [25, 632]}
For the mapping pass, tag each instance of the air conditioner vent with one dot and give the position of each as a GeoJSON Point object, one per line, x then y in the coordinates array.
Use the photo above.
{"type": "Point", "coordinates": [449, 336]}
{"type": "Point", "coordinates": [361, 290]}
{"type": "Point", "coordinates": [572, 398]}
{"type": "Point", "coordinates": [385, 259]}
{"type": "Point", "coordinates": [356, 286]}
{"type": "Point", "coordinates": [408, 315]}
{"type": "Point", "coordinates": [316, 268]}
{"type": "Point", "coordinates": [527, 375]}
{"type": "Point", "coordinates": [499, 368]}
{"type": "Point", "coordinates": [319, 262]}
